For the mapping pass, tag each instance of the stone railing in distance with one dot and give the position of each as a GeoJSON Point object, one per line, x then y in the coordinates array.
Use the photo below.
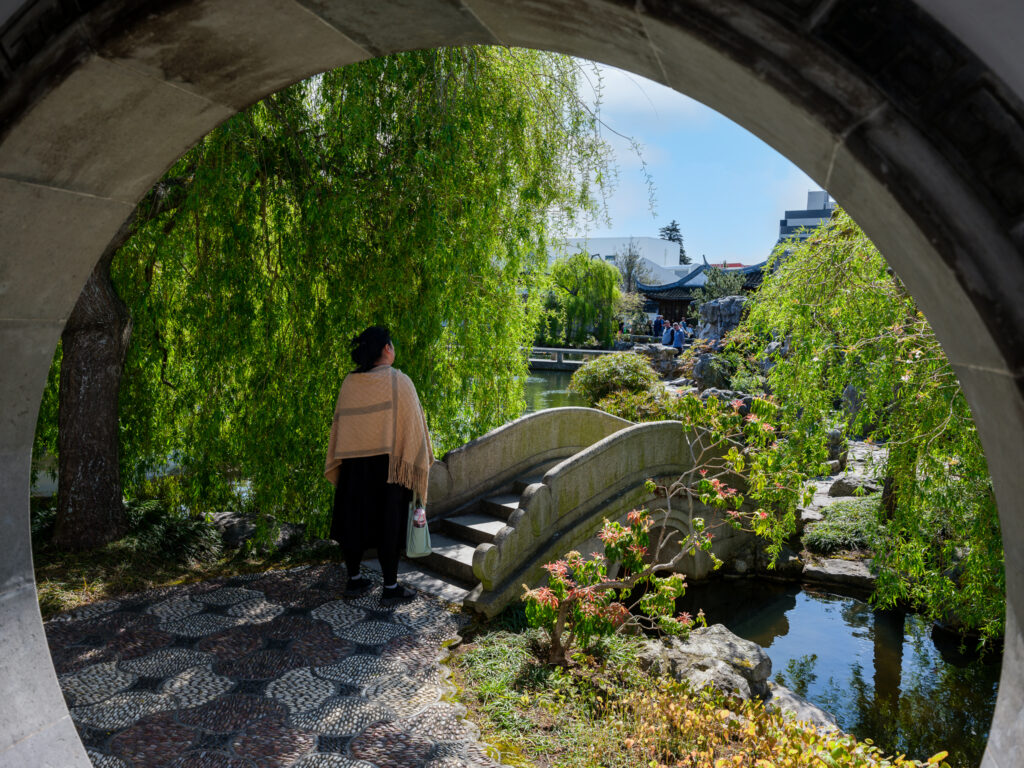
{"type": "Point", "coordinates": [567, 508]}
{"type": "Point", "coordinates": [505, 453]}
{"type": "Point", "coordinates": [563, 358]}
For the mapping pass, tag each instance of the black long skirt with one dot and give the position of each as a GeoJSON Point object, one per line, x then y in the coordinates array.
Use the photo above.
{"type": "Point", "coordinates": [370, 512]}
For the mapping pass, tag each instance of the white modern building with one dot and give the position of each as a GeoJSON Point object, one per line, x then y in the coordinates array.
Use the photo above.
{"type": "Point", "coordinates": [661, 257]}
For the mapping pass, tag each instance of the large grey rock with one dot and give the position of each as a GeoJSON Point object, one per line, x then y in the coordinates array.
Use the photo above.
{"type": "Point", "coordinates": [840, 573]}
{"type": "Point", "coordinates": [711, 656]}
{"type": "Point", "coordinates": [853, 485]}
{"type": "Point", "coordinates": [711, 372]}
{"type": "Point", "coordinates": [719, 316]}
{"type": "Point", "coordinates": [236, 529]}
{"type": "Point", "coordinates": [787, 565]}
{"type": "Point", "coordinates": [663, 359]}
{"type": "Point", "coordinates": [784, 700]}
{"type": "Point", "coordinates": [838, 450]}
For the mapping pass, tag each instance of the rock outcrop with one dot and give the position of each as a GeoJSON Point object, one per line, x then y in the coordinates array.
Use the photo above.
{"type": "Point", "coordinates": [711, 372]}
{"type": "Point", "coordinates": [853, 485]}
{"type": "Point", "coordinates": [711, 656]}
{"type": "Point", "coordinates": [801, 709]}
{"type": "Point", "coordinates": [719, 316]}
{"type": "Point", "coordinates": [663, 359]}
{"type": "Point", "coordinates": [836, 572]}
{"type": "Point", "coordinates": [236, 529]}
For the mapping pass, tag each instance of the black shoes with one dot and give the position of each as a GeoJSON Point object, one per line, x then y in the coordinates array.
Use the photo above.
{"type": "Point", "coordinates": [357, 587]}
{"type": "Point", "coordinates": [396, 594]}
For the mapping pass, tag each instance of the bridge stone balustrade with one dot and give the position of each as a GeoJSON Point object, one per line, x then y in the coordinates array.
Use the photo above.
{"type": "Point", "coordinates": [493, 460]}
{"type": "Point", "coordinates": [568, 507]}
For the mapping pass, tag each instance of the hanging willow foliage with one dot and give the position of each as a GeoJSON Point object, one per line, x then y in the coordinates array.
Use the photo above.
{"type": "Point", "coordinates": [857, 336]}
{"type": "Point", "coordinates": [418, 190]}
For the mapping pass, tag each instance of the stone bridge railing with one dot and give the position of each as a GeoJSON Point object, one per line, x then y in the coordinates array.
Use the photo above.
{"type": "Point", "coordinates": [567, 508]}
{"type": "Point", "coordinates": [495, 459]}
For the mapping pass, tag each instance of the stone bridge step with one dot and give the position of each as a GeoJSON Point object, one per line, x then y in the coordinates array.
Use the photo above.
{"type": "Point", "coordinates": [474, 527]}
{"type": "Point", "coordinates": [520, 483]}
{"type": "Point", "coordinates": [450, 557]}
{"type": "Point", "coordinates": [500, 506]}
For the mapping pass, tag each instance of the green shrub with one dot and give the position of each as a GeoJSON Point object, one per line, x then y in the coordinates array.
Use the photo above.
{"type": "Point", "coordinates": [43, 512]}
{"type": "Point", "coordinates": [611, 373]}
{"type": "Point", "coordinates": [168, 534]}
{"type": "Point", "coordinates": [648, 405]}
{"type": "Point", "coordinates": [751, 383]}
{"type": "Point", "coordinates": [848, 525]}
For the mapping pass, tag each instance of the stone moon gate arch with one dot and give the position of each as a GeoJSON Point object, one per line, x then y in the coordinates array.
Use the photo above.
{"type": "Point", "coordinates": [911, 112]}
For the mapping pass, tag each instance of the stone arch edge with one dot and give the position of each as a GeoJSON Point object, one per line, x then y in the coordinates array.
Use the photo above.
{"type": "Point", "coordinates": [956, 252]}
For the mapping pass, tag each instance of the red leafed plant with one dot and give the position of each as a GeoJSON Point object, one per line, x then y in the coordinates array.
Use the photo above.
{"type": "Point", "coordinates": [581, 602]}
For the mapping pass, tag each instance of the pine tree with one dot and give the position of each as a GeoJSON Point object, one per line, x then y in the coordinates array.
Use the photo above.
{"type": "Point", "coordinates": [671, 233]}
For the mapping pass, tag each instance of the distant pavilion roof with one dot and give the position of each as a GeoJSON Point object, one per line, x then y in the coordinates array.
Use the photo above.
{"type": "Point", "coordinates": [682, 289]}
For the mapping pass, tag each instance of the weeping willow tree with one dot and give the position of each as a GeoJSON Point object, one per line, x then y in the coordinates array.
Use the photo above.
{"type": "Point", "coordinates": [586, 293]}
{"type": "Point", "coordinates": [419, 190]}
{"type": "Point", "coordinates": [857, 337]}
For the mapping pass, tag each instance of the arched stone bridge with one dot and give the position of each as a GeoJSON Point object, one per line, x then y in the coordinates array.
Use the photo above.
{"type": "Point", "coordinates": [563, 471]}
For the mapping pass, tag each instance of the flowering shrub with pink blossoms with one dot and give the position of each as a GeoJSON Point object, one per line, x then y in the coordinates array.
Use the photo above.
{"type": "Point", "coordinates": [737, 457]}
{"type": "Point", "coordinates": [581, 602]}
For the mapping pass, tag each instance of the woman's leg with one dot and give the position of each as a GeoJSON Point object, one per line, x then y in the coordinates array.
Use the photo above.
{"type": "Point", "coordinates": [391, 534]}
{"type": "Point", "coordinates": [346, 519]}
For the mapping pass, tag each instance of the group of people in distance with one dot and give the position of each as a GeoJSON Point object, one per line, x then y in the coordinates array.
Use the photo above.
{"type": "Point", "coordinates": [672, 334]}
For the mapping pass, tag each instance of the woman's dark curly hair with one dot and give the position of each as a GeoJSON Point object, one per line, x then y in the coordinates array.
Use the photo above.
{"type": "Point", "coordinates": [368, 345]}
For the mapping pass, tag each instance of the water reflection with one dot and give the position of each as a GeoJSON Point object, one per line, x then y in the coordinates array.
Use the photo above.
{"type": "Point", "coordinates": [549, 389]}
{"type": "Point", "coordinates": [880, 672]}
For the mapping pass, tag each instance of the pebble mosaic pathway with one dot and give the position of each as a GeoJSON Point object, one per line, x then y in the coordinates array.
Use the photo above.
{"type": "Point", "coordinates": [263, 671]}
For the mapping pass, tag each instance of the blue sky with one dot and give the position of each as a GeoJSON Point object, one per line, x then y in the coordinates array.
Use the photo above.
{"type": "Point", "coordinates": [725, 187]}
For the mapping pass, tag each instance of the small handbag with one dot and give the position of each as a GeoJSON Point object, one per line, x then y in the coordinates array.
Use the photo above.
{"type": "Point", "coordinates": [417, 535]}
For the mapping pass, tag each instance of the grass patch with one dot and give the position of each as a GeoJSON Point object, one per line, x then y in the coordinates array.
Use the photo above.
{"type": "Point", "coordinates": [849, 526]}
{"type": "Point", "coordinates": [161, 548]}
{"type": "Point", "coordinates": [605, 711]}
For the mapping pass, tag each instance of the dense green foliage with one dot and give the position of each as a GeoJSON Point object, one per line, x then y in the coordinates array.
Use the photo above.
{"type": "Point", "coordinates": [418, 190]}
{"type": "Point", "coordinates": [622, 371]}
{"type": "Point", "coordinates": [848, 525]}
{"type": "Point", "coordinates": [645, 405]}
{"type": "Point", "coordinates": [581, 303]}
{"type": "Point", "coordinates": [858, 338]}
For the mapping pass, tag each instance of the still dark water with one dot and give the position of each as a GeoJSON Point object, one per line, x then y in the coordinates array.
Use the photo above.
{"type": "Point", "coordinates": [549, 389]}
{"type": "Point", "coordinates": [881, 673]}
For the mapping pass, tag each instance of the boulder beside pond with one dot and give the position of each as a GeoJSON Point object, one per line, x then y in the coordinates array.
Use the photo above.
{"type": "Point", "coordinates": [715, 656]}
{"type": "Point", "coordinates": [711, 656]}
{"type": "Point", "coordinates": [785, 700]}
{"type": "Point", "coordinates": [837, 572]}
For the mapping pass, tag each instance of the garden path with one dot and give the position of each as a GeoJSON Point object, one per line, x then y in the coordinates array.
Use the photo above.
{"type": "Point", "coordinates": [265, 670]}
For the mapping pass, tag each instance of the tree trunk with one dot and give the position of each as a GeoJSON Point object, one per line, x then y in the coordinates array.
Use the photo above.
{"type": "Point", "coordinates": [90, 511]}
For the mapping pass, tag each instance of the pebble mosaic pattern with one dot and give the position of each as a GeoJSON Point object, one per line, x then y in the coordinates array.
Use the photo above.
{"type": "Point", "coordinates": [263, 671]}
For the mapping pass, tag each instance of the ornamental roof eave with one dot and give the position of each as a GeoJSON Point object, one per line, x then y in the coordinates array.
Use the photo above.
{"type": "Point", "coordinates": [753, 275]}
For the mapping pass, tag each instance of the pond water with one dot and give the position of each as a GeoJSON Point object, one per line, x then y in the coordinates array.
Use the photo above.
{"type": "Point", "coordinates": [884, 674]}
{"type": "Point", "coordinates": [550, 389]}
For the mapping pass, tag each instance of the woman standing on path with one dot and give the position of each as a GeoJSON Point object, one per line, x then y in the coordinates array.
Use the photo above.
{"type": "Point", "coordinates": [378, 454]}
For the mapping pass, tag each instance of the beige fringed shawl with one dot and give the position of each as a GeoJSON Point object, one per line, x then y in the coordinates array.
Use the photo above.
{"type": "Point", "coordinates": [379, 412]}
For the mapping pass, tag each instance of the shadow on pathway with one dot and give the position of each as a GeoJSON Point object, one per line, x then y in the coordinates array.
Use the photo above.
{"type": "Point", "coordinates": [260, 671]}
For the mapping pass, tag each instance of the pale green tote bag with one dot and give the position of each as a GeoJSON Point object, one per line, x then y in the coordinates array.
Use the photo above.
{"type": "Point", "coordinates": [417, 536]}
